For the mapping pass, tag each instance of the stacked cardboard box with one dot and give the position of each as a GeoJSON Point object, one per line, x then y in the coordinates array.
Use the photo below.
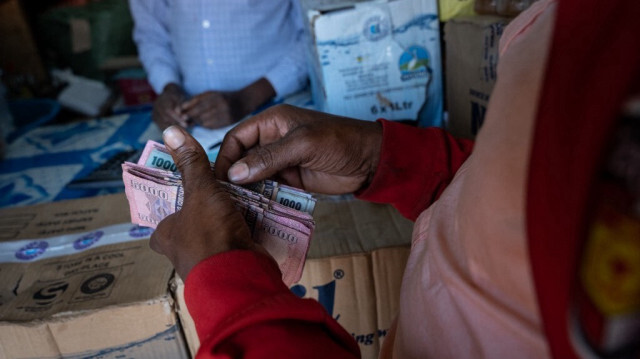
{"type": "Point", "coordinates": [78, 280]}
{"type": "Point", "coordinates": [472, 52]}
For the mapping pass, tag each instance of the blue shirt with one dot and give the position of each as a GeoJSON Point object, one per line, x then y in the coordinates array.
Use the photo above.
{"type": "Point", "coordinates": [221, 45]}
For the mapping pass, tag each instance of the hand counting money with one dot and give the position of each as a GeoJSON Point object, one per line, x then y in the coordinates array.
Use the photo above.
{"type": "Point", "coordinates": [278, 216]}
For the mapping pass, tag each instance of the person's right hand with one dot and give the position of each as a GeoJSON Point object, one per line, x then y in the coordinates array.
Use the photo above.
{"type": "Point", "coordinates": [311, 150]}
{"type": "Point", "coordinates": [166, 108]}
{"type": "Point", "coordinates": [209, 222]}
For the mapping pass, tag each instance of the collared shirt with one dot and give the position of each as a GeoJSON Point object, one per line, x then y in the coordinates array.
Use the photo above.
{"type": "Point", "coordinates": [468, 290]}
{"type": "Point", "coordinates": [221, 45]}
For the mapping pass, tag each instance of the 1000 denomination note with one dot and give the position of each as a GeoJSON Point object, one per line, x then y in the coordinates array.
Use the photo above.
{"type": "Point", "coordinates": [155, 155]}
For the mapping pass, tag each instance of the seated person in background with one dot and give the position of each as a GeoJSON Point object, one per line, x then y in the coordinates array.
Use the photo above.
{"type": "Point", "coordinates": [214, 62]}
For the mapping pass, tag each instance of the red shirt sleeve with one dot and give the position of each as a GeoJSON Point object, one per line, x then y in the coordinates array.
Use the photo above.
{"type": "Point", "coordinates": [416, 165]}
{"type": "Point", "coordinates": [241, 308]}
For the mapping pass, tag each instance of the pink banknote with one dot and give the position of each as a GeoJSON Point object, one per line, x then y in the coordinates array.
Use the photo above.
{"type": "Point", "coordinates": [154, 193]}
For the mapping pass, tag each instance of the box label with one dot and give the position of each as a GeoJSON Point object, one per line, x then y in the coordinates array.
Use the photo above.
{"type": "Point", "coordinates": [379, 60]}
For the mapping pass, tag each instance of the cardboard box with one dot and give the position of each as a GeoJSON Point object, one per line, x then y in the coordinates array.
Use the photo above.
{"type": "Point", "coordinates": [361, 291]}
{"type": "Point", "coordinates": [354, 269]}
{"type": "Point", "coordinates": [373, 59]}
{"type": "Point", "coordinates": [472, 49]}
{"type": "Point", "coordinates": [79, 280]}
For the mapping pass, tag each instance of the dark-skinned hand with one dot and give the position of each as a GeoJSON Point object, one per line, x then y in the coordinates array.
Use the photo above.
{"type": "Point", "coordinates": [307, 149]}
{"type": "Point", "coordinates": [216, 109]}
{"type": "Point", "coordinates": [208, 222]}
{"type": "Point", "coordinates": [213, 109]}
{"type": "Point", "coordinates": [166, 108]}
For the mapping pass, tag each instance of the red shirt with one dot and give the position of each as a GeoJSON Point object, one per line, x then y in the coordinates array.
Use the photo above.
{"type": "Point", "coordinates": [241, 307]}
{"type": "Point", "coordinates": [239, 304]}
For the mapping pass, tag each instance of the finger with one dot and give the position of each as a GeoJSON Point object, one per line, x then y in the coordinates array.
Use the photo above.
{"type": "Point", "coordinates": [187, 106]}
{"type": "Point", "coordinates": [191, 102]}
{"type": "Point", "coordinates": [208, 119]}
{"type": "Point", "coordinates": [234, 145]}
{"type": "Point", "coordinates": [265, 161]}
{"type": "Point", "coordinates": [176, 116]}
{"type": "Point", "coordinates": [199, 111]}
{"type": "Point", "coordinates": [167, 114]}
{"type": "Point", "coordinates": [190, 158]}
{"type": "Point", "coordinates": [216, 118]}
{"type": "Point", "coordinates": [261, 129]}
{"type": "Point", "coordinates": [180, 121]}
{"type": "Point", "coordinates": [163, 120]}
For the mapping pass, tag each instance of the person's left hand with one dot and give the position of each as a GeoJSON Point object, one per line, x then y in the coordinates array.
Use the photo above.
{"type": "Point", "coordinates": [208, 222]}
{"type": "Point", "coordinates": [214, 109]}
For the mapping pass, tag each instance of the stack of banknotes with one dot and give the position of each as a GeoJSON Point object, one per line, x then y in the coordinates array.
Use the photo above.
{"type": "Point", "coordinates": [279, 216]}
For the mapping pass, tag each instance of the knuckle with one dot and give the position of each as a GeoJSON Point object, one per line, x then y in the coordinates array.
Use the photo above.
{"type": "Point", "coordinates": [187, 156]}
{"type": "Point", "coordinates": [284, 107]}
{"type": "Point", "coordinates": [219, 195]}
{"type": "Point", "coordinates": [275, 108]}
{"type": "Point", "coordinates": [264, 156]}
{"type": "Point", "coordinates": [209, 198]}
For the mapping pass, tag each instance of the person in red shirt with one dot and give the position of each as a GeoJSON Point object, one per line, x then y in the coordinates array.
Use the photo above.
{"type": "Point", "coordinates": [257, 316]}
{"type": "Point", "coordinates": [582, 202]}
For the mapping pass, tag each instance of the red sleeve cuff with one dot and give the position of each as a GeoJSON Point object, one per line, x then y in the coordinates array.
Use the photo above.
{"type": "Point", "coordinates": [416, 165]}
{"type": "Point", "coordinates": [236, 290]}
{"type": "Point", "coordinates": [225, 284]}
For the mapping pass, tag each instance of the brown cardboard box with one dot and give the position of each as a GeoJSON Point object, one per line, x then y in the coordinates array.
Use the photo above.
{"type": "Point", "coordinates": [93, 288]}
{"type": "Point", "coordinates": [472, 45]}
{"type": "Point", "coordinates": [354, 269]}
{"type": "Point", "coordinates": [97, 290]}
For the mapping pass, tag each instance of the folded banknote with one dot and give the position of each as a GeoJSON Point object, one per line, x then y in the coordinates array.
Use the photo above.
{"type": "Point", "coordinates": [279, 217]}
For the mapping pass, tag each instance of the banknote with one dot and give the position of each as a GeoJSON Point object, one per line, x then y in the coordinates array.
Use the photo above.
{"type": "Point", "coordinates": [154, 189]}
{"type": "Point", "coordinates": [155, 155]}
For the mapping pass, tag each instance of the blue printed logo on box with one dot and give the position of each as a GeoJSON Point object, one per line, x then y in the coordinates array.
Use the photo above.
{"type": "Point", "coordinates": [87, 240]}
{"type": "Point", "coordinates": [376, 28]}
{"type": "Point", "coordinates": [140, 232]}
{"type": "Point", "coordinates": [32, 250]}
{"type": "Point", "coordinates": [414, 63]}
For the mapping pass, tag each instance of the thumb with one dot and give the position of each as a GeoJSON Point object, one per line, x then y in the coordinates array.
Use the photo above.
{"type": "Point", "coordinates": [265, 161]}
{"type": "Point", "coordinates": [189, 157]}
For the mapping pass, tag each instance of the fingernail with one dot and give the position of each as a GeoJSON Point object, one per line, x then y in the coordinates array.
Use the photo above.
{"type": "Point", "coordinates": [238, 172]}
{"type": "Point", "coordinates": [173, 137]}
